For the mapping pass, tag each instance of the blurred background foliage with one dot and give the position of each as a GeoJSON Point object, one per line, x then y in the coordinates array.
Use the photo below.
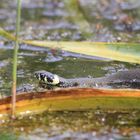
{"type": "Point", "coordinates": [96, 20]}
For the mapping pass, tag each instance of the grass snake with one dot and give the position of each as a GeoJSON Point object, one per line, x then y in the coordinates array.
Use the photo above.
{"type": "Point", "coordinates": [130, 79]}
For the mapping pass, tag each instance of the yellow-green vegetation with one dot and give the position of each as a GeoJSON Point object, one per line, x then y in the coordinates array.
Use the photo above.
{"type": "Point", "coordinates": [116, 51]}
{"type": "Point", "coordinates": [15, 57]}
{"type": "Point", "coordinates": [72, 99]}
{"type": "Point", "coordinates": [126, 52]}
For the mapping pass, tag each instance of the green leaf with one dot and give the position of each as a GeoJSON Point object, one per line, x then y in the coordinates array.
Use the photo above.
{"type": "Point", "coordinates": [6, 34]}
{"type": "Point", "coordinates": [72, 99]}
{"type": "Point", "coordinates": [126, 52]}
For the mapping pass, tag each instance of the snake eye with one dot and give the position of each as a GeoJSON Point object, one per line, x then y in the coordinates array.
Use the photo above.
{"type": "Point", "coordinates": [50, 79]}
{"type": "Point", "coordinates": [56, 80]}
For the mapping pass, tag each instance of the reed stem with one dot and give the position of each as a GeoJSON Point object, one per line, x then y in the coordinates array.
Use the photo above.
{"type": "Point", "coordinates": [15, 57]}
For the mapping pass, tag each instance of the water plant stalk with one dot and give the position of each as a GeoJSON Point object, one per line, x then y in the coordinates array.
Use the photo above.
{"type": "Point", "coordinates": [15, 58]}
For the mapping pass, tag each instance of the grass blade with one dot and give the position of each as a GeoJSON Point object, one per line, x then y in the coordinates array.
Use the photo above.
{"type": "Point", "coordinates": [15, 58]}
{"type": "Point", "coordinates": [7, 35]}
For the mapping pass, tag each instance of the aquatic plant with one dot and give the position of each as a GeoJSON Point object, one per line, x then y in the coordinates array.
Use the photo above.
{"type": "Point", "coordinates": [67, 98]}
{"type": "Point", "coordinates": [15, 57]}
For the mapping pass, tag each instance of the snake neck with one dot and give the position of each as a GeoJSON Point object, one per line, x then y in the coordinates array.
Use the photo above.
{"type": "Point", "coordinates": [131, 77]}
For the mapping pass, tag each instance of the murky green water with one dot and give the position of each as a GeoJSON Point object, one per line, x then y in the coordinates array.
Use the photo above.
{"type": "Point", "coordinates": [52, 20]}
{"type": "Point", "coordinates": [65, 64]}
{"type": "Point", "coordinates": [94, 124]}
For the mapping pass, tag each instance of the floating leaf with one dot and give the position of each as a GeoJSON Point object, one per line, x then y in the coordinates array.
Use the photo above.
{"type": "Point", "coordinates": [72, 99]}
{"type": "Point", "coordinates": [127, 52]}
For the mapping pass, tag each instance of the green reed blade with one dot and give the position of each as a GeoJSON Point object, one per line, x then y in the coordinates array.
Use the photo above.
{"type": "Point", "coordinates": [15, 57]}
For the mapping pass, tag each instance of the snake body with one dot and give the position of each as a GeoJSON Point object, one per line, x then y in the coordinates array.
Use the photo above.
{"type": "Point", "coordinates": [131, 77]}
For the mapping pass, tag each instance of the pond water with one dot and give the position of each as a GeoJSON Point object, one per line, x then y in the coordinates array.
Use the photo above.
{"type": "Point", "coordinates": [75, 125]}
{"type": "Point", "coordinates": [53, 20]}
{"type": "Point", "coordinates": [65, 64]}
{"type": "Point", "coordinates": [93, 124]}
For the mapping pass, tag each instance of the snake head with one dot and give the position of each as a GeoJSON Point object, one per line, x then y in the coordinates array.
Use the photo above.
{"type": "Point", "coordinates": [47, 77]}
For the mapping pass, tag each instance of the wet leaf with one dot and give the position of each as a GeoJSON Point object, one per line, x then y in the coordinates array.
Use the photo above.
{"type": "Point", "coordinates": [72, 99]}
{"type": "Point", "coordinates": [126, 52]}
